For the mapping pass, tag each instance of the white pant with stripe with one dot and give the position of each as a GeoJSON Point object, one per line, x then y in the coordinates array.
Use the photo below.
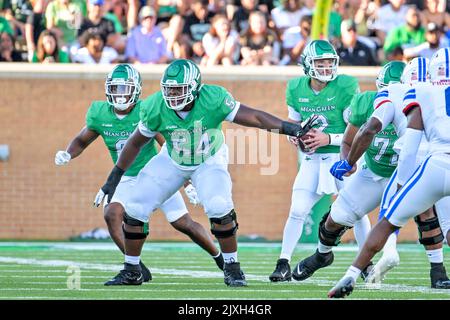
{"type": "Point", "coordinates": [429, 184]}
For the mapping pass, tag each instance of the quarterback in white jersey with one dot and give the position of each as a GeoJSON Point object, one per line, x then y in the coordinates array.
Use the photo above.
{"type": "Point", "coordinates": [428, 111]}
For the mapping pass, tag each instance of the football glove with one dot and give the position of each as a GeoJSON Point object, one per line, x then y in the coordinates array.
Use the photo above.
{"type": "Point", "coordinates": [109, 187]}
{"type": "Point", "coordinates": [340, 168]}
{"type": "Point", "coordinates": [62, 158]}
{"type": "Point", "coordinates": [191, 193]}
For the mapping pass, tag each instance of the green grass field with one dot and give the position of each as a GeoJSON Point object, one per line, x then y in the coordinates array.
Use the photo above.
{"type": "Point", "coordinates": [45, 270]}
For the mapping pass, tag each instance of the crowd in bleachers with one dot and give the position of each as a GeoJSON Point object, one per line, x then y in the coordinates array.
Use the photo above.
{"type": "Point", "coordinates": [216, 32]}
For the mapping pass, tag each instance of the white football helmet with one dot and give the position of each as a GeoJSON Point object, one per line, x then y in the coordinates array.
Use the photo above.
{"type": "Point", "coordinates": [440, 67]}
{"type": "Point", "coordinates": [416, 71]}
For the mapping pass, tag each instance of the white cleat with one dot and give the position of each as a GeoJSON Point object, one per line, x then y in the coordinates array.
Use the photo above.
{"type": "Point", "coordinates": [388, 261]}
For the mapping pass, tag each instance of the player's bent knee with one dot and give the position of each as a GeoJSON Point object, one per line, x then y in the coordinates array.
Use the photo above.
{"type": "Point", "coordinates": [327, 237]}
{"type": "Point", "coordinates": [130, 225]}
{"type": "Point", "coordinates": [225, 226]}
{"type": "Point", "coordinates": [432, 226]}
{"type": "Point", "coordinates": [113, 212]}
{"type": "Point", "coordinates": [216, 205]}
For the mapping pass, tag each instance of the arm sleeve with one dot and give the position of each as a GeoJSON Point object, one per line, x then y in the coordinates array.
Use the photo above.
{"type": "Point", "coordinates": [146, 131]}
{"type": "Point", "coordinates": [384, 109]}
{"type": "Point", "coordinates": [294, 115]}
{"type": "Point", "coordinates": [230, 117]}
{"type": "Point", "coordinates": [407, 158]}
{"type": "Point", "coordinates": [409, 101]}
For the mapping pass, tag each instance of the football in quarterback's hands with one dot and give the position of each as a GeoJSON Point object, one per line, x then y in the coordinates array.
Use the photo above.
{"type": "Point", "coordinates": [302, 145]}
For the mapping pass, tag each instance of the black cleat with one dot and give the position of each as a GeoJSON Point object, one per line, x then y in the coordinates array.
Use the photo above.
{"type": "Point", "coordinates": [145, 272]}
{"type": "Point", "coordinates": [305, 268]}
{"type": "Point", "coordinates": [343, 288]}
{"type": "Point", "coordinates": [131, 275]}
{"type": "Point", "coordinates": [438, 275]}
{"type": "Point", "coordinates": [365, 273]}
{"type": "Point", "coordinates": [233, 275]}
{"type": "Point", "coordinates": [219, 261]}
{"type": "Point", "coordinates": [282, 271]}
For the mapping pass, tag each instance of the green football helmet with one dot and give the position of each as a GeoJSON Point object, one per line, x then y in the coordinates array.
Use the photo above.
{"type": "Point", "coordinates": [319, 50]}
{"type": "Point", "coordinates": [180, 83]}
{"type": "Point", "coordinates": [390, 73]}
{"type": "Point", "coordinates": [123, 86]}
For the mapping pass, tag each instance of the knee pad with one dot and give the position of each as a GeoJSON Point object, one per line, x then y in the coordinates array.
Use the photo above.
{"type": "Point", "coordinates": [429, 225]}
{"type": "Point", "coordinates": [330, 238]}
{"type": "Point", "coordinates": [135, 223]}
{"type": "Point", "coordinates": [226, 219]}
{"type": "Point", "coordinates": [216, 204]}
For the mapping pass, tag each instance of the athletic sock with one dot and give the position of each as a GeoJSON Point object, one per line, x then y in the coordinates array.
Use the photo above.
{"type": "Point", "coordinates": [435, 256]}
{"type": "Point", "coordinates": [361, 230]}
{"type": "Point", "coordinates": [291, 235]}
{"type": "Point", "coordinates": [323, 248]}
{"type": "Point", "coordinates": [353, 272]}
{"type": "Point", "coordinates": [230, 257]}
{"type": "Point", "coordinates": [134, 260]}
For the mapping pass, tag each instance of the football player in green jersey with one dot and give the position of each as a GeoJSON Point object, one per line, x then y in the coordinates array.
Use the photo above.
{"type": "Point", "coordinates": [189, 115]}
{"type": "Point", "coordinates": [115, 120]}
{"type": "Point", "coordinates": [322, 92]}
{"type": "Point", "coordinates": [380, 161]}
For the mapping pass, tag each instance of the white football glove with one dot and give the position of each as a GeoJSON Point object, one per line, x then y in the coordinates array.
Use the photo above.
{"type": "Point", "coordinates": [62, 158]}
{"type": "Point", "coordinates": [293, 140]}
{"type": "Point", "coordinates": [99, 198]}
{"type": "Point", "coordinates": [191, 193]}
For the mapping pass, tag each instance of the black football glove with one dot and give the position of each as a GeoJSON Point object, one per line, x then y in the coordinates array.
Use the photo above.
{"type": "Point", "coordinates": [110, 186]}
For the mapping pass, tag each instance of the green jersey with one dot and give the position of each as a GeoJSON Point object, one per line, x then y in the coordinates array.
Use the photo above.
{"type": "Point", "coordinates": [192, 140]}
{"type": "Point", "coordinates": [380, 157]}
{"type": "Point", "coordinates": [329, 104]}
{"type": "Point", "coordinates": [102, 119]}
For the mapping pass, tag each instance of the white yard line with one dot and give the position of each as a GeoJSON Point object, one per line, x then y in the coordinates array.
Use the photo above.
{"type": "Point", "coordinates": [203, 274]}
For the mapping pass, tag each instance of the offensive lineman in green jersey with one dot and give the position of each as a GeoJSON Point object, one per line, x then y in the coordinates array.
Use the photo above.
{"type": "Point", "coordinates": [115, 120]}
{"type": "Point", "coordinates": [189, 115]}
{"type": "Point", "coordinates": [324, 93]}
{"type": "Point", "coordinates": [380, 161]}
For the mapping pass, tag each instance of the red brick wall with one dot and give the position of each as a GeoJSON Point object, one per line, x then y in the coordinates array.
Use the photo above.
{"type": "Point", "coordinates": [39, 200]}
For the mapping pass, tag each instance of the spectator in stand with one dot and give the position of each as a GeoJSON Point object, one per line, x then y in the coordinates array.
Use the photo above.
{"type": "Point", "coordinates": [7, 51]}
{"type": "Point", "coordinates": [388, 17]}
{"type": "Point", "coordinates": [435, 11]}
{"type": "Point", "coordinates": [94, 50]}
{"type": "Point", "coordinates": [352, 51]}
{"type": "Point", "coordinates": [259, 45]}
{"type": "Point", "coordinates": [288, 15]}
{"type": "Point", "coordinates": [221, 43]}
{"type": "Point", "coordinates": [17, 12]}
{"type": "Point", "coordinates": [196, 25]}
{"type": "Point", "coordinates": [64, 18]}
{"type": "Point", "coordinates": [365, 18]}
{"type": "Point", "coordinates": [408, 35]}
{"type": "Point", "coordinates": [95, 20]}
{"type": "Point", "coordinates": [34, 25]}
{"type": "Point", "coordinates": [434, 42]}
{"type": "Point", "coordinates": [295, 40]}
{"type": "Point", "coordinates": [241, 15]}
{"type": "Point", "coordinates": [146, 44]}
{"type": "Point", "coordinates": [5, 26]}
{"type": "Point", "coordinates": [217, 6]}
{"type": "Point", "coordinates": [48, 51]}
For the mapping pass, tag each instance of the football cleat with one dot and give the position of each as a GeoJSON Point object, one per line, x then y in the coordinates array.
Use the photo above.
{"type": "Point", "coordinates": [438, 276]}
{"type": "Point", "coordinates": [305, 268]}
{"type": "Point", "coordinates": [388, 261]}
{"type": "Point", "coordinates": [145, 272]}
{"type": "Point", "coordinates": [219, 261]}
{"type": "Point", "coordinates": [233, 275]}
{"type": "Point", "coordinates": [343, 288]}
{"type": "Point", "coordinates": [282, 271]}
{"type": "Point", "coordinates": [131, 275]}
